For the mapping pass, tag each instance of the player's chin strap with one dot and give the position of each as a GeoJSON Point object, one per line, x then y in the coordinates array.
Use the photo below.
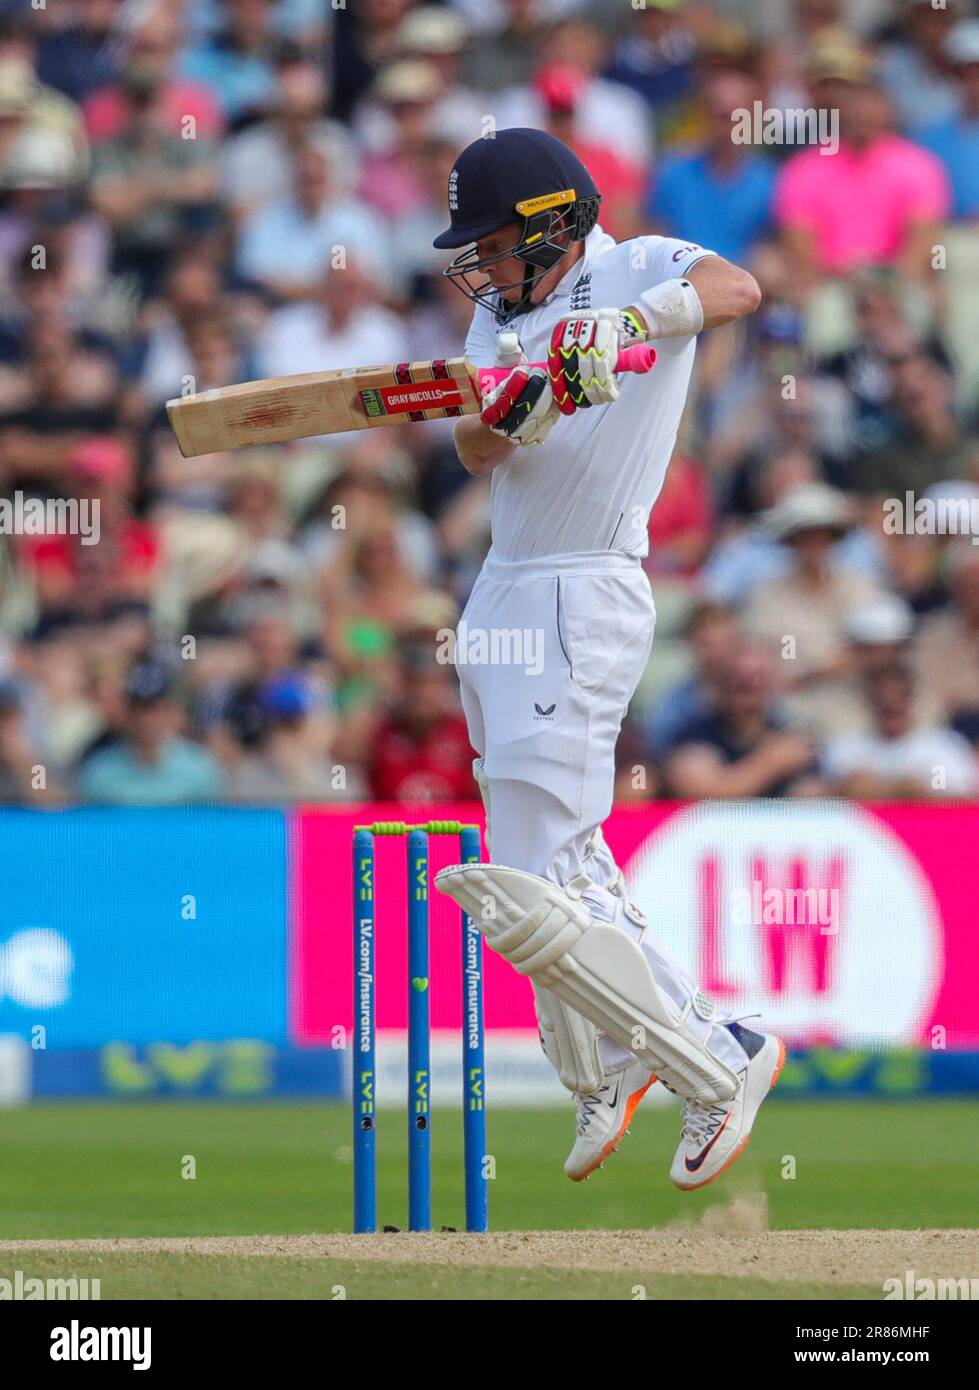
{"type": "Point", "coordinates": [545, 258]}
{"type": "Point", "coordinates": [540, 248]}
{"type": "Point", "coordinates": [530, 277]}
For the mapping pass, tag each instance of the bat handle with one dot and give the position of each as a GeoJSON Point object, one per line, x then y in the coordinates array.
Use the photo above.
{"type": "Point", "coordinates": [636, 359]}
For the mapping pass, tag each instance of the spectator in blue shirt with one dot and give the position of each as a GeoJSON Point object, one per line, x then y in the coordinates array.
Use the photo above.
{"type": "Point", "coordinates": [722, 192]}
{"type": "Point", "coordinates": [714, 636]}
{"type": "Point", "coordinates": [742, 747]}
{"type": "Point", "coordinates": [151, 764]}
{"type": "Point", "coordinates": [657, 53]}
{"type": "Point", "coordinates": [955, 140]}
{"type": "Point", "coordinates": [86, 53]}
{"type": "Point", "coordinates": [238, 64]}
{"type": "Point", "coordinates": [292, 242]}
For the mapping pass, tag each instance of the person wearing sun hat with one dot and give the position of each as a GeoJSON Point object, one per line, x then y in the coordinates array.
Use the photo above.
{"type": "Point", "coordinates": [879, 199]}
{"type": "Point", "coordinates": [802, 613]}
{"type": "Point", "coordinates": [879, 632]}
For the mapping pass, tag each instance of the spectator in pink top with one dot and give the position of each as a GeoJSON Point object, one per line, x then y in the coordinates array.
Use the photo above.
{"type": "Point", "coordinates": [150, 64]}
{"type": "Point", "coordinates": [391, 179]}
{"type": "Point", "coordinates": [878, 200]}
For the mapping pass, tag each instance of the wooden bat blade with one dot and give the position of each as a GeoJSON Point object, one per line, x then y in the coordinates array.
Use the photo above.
{"type": "Point", "coordinates": [298, 407]}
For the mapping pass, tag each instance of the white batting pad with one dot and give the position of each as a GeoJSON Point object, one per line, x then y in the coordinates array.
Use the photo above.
{"type": "Point", "coordinates": [547, 933]}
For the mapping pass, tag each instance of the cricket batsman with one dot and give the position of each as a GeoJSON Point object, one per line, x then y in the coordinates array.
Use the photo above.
{"type": "Point", "coordinates": [578, 457]}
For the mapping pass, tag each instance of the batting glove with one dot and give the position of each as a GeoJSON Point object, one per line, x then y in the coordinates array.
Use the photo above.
{"type": "Point", "coordinates": [581, 360]}
{"type": "Point", "coordinates": [522, 407]}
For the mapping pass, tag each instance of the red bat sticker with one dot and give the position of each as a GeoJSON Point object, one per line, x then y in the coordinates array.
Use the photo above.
{"type": "Point", "coordinates": [419, 395]}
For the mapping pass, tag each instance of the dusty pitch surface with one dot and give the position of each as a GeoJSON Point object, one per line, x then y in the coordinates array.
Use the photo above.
{"type": "Point", "coordinates": [827, 1256]}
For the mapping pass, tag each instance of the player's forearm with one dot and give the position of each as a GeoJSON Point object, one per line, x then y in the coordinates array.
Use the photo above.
{"type": "Point", "coordinates": [872, 786]}
{"type": "Point", "coordinates": [697, 779]}
{"type": "Point", "coordinates": [120, 201]}
{"type": "Point", "coordinates": [479, 449]}
{"type": "Point", "coordinates": [916, 257]}
{"type": "Point", "coordinates": [726, 292]}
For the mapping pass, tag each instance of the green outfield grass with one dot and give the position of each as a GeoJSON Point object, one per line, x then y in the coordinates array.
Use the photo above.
{"type": "Point", "coordinates": [165, 1276]}
{"type": "Point", "coordinates": [105, 1170]}
{"type": "Point", "coordinates": [115, 1170]}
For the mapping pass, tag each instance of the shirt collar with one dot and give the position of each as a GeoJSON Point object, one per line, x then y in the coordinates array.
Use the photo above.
{"type": "Point", "coordinates": [597, 243]}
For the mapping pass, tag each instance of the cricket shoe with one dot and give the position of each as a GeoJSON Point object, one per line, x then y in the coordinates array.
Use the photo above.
{"type": "Point", "coordinates": [604, 1117]}
{"type": "Point", "coordinates": [713, 1136]}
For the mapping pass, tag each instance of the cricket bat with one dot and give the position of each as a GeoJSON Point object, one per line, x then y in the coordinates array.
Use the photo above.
{"type": "Point", "coordinates": [296, 407]}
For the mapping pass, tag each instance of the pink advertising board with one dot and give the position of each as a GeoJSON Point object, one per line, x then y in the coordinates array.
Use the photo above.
{"type": "Point", "coordinates": [837, 923]}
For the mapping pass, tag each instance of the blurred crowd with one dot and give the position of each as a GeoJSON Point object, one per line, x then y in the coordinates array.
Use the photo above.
{"type": "Point", "coordinates": [200, 192]}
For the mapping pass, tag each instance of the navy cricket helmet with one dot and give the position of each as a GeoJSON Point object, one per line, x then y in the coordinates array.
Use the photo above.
{"type": "Point", "coordinates": [523, 176]}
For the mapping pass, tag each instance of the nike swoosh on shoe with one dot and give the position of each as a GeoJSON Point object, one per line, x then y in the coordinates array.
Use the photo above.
{"type": "Point", "coordinates": [692, 1164]}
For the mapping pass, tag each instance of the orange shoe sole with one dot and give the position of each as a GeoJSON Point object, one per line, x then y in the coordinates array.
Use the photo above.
{"type": "Point", "coordinates": [736, 1154]}
{"type": "Point", "coordinates": [631, 1106]}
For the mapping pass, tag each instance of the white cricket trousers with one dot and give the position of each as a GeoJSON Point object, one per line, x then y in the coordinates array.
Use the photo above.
{"type": "Point", "coordinates": [549, 653]}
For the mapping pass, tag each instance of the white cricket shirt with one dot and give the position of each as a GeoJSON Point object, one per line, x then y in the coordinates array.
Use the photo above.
{"type": "Point", "coordinates": [591, 485]}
